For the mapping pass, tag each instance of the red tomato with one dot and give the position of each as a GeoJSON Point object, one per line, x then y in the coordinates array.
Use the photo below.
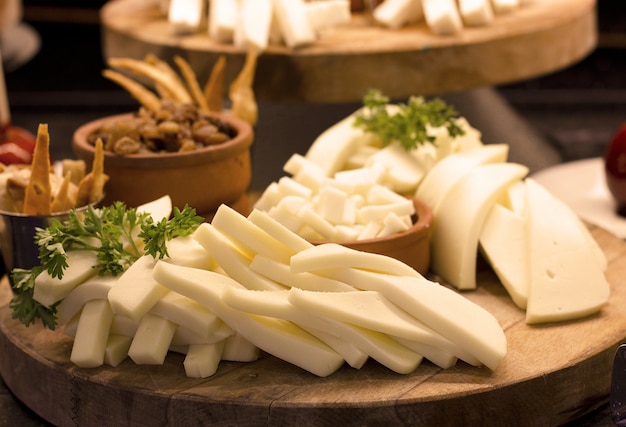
{"type": "Point", "coordinates": [16, 145]}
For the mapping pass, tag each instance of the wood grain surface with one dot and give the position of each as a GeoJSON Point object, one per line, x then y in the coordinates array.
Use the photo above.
{"type": "Point", "coordinates": [551, 374]}
{"type": "Point", "coordinates": [541, 37]}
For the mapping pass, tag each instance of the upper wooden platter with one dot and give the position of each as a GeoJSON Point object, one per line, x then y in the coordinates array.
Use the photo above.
{"type": "Point", "coordinates": [552, 374]}
{"type": "Point", "coordinates": [541, 37]}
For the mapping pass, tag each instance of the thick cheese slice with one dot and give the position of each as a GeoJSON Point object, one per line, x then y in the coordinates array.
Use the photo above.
{"type": "Point", "coordinates": [377, 345]}
{"type": "Point", "coordinates": [187, 313]}
{"type": "Point", "coordinates": [185, 250]}
{"type": "Point", "coordinates": [97, 287]}
{"type": "Point", "coordinates": [253, 26]}
{"type": "Point", "coordinates": [202, 360]}
{"type": "Point", "coordinates": [442, 16]}
{"type": "Point", "coordinates": [327, 13]}
{"type": "Point", "coordinates": [48, 289]}
{"type": "Point", "coordinates": [223, 16]}
{"type": "Point", "coordinates": [92, 334]}
{"type": "Point", "coordinates": [116, 350]}
{"type": "Point", "coordinates": [332, 255]}
{"type": "Point", "coordinates": [453, 168]}
{"type": "Point", "coordinates": [281, 273]}
{"type": "Point", "coordinates": [280, 338]}
{"type": "Point", "coordinates": [476, 12]}
{"type": "Point", "coordinates": [278, 231]}
{"type": "Point", "coordinates": [239, 349]}
{"type": "Point", "coordinates": [230, 260]}
{"type": "Point", "coordinates": [505, 242]}
{"type": "Point", "coordinates": [478, 336]}
{"type": "Point", "coordinates": [459, 219]}
{"type": "Point", "coordinates": [135, 292]}
{"type": "Point", "coordinates": [396, 13]}
{"type": "Point", "coordinates": [439, 357]}
{"type": "Point", "coordinates": [566, 281]}
{"type": "Point", "coordinates": [152, 340]}
{"type": "Point", "coordinates": [294, 23]}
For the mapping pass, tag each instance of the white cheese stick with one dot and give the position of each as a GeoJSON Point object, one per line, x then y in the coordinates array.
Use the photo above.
{"type": "Point", "coordinates": [294, 23]}
{"type": "Point", "coordinates": [505, 6]}
{"type": "Point", "coordinates": [439, 357]}
{"type": "Point", "coordinates": [185, 250]}
{"type": "Point", "coordinates": [460, 216]}
{"type": "Point", "coordinates": [239, 349]}
{"type": "Point", "coordinates": [92, 334]}
{"type": "Point", "coordinates": [135, 292]}
{"type": "Point", "coordinates": [187, 313]}
{"type": "Point", "coordinates": [48, 289]}
{"type": "Point", "coordinates": [96, 287]}
{"type": "Point", "coordinates": [152, 340]}
{"type": "Point", "coordinates": [397, 13]}
{"type": "Point", "coordinates": [230, 260]}
{"type": "Point", "coordinates": [328, 13]}
{"type": "Point", "coordinates": [184, 16]}
{"type": "Point", "coordinates": [280, 338]}
{"type": "Point", "coordinates": [566, 282]}
{"type": "Point", "coordinates": [223, 16]}
{"type": "Point", "coordinates": [442, 16]}
{"type": "Point", "coordinates": [202, 360]}
{"type": "Point", "coordinates": [476, 12]}
{"type": "Point", "coordinates": [254, 23]}
{"type": "Point", "coordinates": [116, 350]}
{"type": "Point", "coordinates": [278, 231]}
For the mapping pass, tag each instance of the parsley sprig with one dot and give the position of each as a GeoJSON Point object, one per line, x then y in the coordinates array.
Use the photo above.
{"type": "Point", "coordinates": [409, 124]}
{"type": "Point", "coordinates": [112, 232]}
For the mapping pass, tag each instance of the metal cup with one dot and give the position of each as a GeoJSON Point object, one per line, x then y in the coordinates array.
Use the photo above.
{"type": "Point", "coordinates": [17, 238]}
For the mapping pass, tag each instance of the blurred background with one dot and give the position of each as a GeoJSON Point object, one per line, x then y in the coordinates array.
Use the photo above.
{"type": "Point", "coordinates": [574, 110]}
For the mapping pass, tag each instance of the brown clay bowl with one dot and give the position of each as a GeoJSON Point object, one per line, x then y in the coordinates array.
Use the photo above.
{"type": "Point", "coordinates": [411, 246]}
{"type": "Point", "coordinates": [203, 179]}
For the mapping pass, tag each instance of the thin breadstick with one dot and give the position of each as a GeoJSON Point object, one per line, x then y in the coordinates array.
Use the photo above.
{"type": "Point", "coordinates": [91, 187]}
{"type": "Point", "coordinates": [38, 196]}
{"type": "Point", "coordinates": [146, 98]}
{"type": "Point", "coordinates": [163, 92]}
{"type": "Point", "coordinates": [62, 201]}
{"type": "Point", "coordinates": [155, 74]}
{"type": "Point", "coordinates": [192, 82]}
{"type": "Point", "coordinates": [241, 93]}
{"type": "Point", "coordinates": [214, 86]}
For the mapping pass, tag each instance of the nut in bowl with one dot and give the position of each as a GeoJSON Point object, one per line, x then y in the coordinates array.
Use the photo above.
{"type": "Point", "coordinates": [411, 246]}
{"type": "Point", "coordinates": [203, 178]}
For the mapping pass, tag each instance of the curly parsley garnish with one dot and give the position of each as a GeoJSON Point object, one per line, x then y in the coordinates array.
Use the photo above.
{"type": "Point", "coordinates": [112, 232]}
{"type": "Point", "coordinates": [409, 124]}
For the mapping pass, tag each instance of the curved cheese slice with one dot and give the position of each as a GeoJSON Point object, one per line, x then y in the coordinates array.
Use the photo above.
{"type": "Point", "coordinates": [459, 219]}
{"type": "Point", "coordinates": [449, 170]}
{"type": "Point", "coordinates": [280, 338]}
{"type": "Point", "coordinates": [566, 283]}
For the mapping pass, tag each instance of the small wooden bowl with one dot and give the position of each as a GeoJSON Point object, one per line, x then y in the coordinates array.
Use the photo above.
{"type": "Point", "coordinates": [411, 246]}
{"type": "Point", "coordinates": [204, 179]}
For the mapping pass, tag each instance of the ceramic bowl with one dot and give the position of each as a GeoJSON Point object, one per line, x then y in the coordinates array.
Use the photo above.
{"type": "Point", "coordinates": [411, 246]}
{"type": "Point", "coordinates": [204, 178]}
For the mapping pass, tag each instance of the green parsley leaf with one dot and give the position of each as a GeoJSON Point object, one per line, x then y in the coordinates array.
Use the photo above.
{"type": "Point", "coordinates": [408, 123]}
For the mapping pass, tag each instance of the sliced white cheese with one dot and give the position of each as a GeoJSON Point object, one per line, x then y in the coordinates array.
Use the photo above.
{"type": "Point", "coordinates": [96, 287]}
{"type": "Point", "coordinates": [403, 173]}
{"type": "Point", "coordinates": [239, 349]}
{"type": "Point", "coordinates": [566, 280]}
{"type": "Point", "coordinates": [158, 209]}
{"type": "Point", "coordinates": [397, 13]}
{"type": "Point", "coordinates": [135, 292]}
{"type": "Point", "coordinates": [223, 16]}
{"type": "Point", "coordinates": [505, 242]}
{"type": "Point", "coordinates": [277, 337]}
{"type": "Point", "coordinates": [184, 16]}
{"type": "Point", "coordinates": [48, 289]}
{"type": "Point", "coordinates": [92, 334]}
{"type": "Point", "coordinates": [332, 255]}
{"type": "Point", "coordinates": [279, 231]}
{"type": "Point", "coordinates": [294, 23]}
{"type": "Point", "coordinates": [152, 340]}
{"type": "Point", "coordinates": [187, 313]}
{"type": "Point", "coordinates": [116, 350]}
{"type": "Point", "coordinates": [328, 13]}
{"type": "Point", "coordinates": [230, 260]}
{"type": "Point", "coordinates": [253, 26]}
{"type": "Point", "coordinates": [185, 250]}
{"type": "Point", "coordinates": [505, 6]}
{"type": "Point", "coordinates": [439, 357]}
{"type": "Point", "coordinates": [202, 360]}
{"type": "Point", "coordinates": [452, 168]}
{"type": "Point", "coordinates": [442, 16]}
{"type": "Point", "coordinates": [460, 216]}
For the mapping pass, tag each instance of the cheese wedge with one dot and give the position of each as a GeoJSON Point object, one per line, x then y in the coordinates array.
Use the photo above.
{"type": "Point", "coordinates": [135, 292]}
{"type": "Point", "coordinates": [48, 289]}
{"type": "Point", "coordinates": [397, 13]}
{"type": "Point", "coordinates": [280, 338]}
{"type": "Point", "coordinates": [92, 334]}
{"type": "Point", "coordinates": [453, 168]}
{"type": "Point", "coordinates": [566, 281]}
{"type": "Point", "coordinates": [459, 219]}
{"type": "Point", "coordinates": [505, 243]}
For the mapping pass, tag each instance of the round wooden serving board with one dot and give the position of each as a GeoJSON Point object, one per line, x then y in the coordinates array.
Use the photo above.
{"type": "Point", "coordinates": [538, 38]}
{"type": "Point", "coordinates": [551, 374]}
